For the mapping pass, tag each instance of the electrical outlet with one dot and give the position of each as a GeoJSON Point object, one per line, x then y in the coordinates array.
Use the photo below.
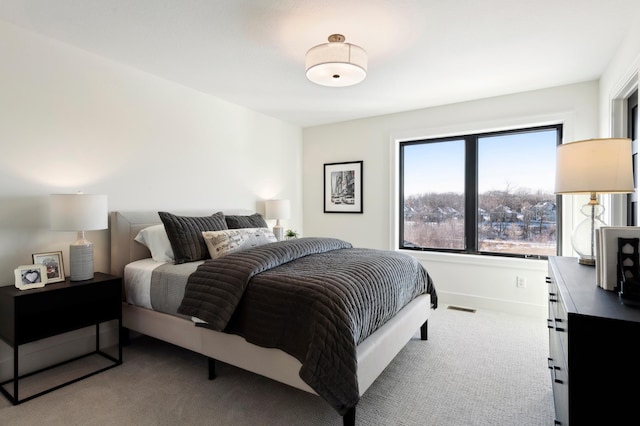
{"type": "Point", "coordinates": [521, 282]}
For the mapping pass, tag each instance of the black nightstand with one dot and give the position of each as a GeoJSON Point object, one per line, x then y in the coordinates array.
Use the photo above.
{"type": "Point", "coordinates": [30, 315]}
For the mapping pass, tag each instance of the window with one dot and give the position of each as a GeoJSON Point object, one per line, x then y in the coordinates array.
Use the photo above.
{"type": "Point", "coordinates": [489, 193]}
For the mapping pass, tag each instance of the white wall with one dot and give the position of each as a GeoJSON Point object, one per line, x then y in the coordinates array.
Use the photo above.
{"type": "Point", "coordinates": [72, 121]}
{"type": "Point", "coordinates": [470, 280]}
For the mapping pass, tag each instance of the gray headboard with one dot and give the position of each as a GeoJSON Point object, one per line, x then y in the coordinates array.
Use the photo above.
{"type": "Point", "coordinates": [125, 225]}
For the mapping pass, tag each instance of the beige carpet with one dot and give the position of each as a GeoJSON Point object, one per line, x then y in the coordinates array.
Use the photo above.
{"type": "Point", "coordinates": [483, 368]}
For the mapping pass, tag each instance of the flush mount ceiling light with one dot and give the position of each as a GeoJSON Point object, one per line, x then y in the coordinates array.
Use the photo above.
{"type": "Point", "coordinates": [336, 64]}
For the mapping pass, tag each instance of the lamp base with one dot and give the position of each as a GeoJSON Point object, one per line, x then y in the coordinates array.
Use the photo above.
{"type": "Point", "coordinates": [81, 261]}
{"type": "Point", "coordinates": [583, 238]}
{"type": "Point", "coordinates": [588, 262]}
{"type": "Point", "coordinates": [278, 231]}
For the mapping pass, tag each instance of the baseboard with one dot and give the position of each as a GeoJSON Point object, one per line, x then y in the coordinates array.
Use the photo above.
{"type": "Point", "coordinates": [49, 351]}
{"type": "Point", "coordinates": [508, 306]}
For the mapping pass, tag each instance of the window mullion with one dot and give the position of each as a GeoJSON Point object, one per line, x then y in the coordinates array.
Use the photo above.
{"type": "Point", "coordinates": [471, 194]}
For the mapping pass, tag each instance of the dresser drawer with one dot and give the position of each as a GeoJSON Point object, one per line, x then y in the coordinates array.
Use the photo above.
{"type": "Point", "coordinates": [557, 361]}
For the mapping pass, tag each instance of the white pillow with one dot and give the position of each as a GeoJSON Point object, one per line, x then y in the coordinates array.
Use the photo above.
{"type": "Point", "coordinates": [220, 243]}
{"type": "Point", "coordinates": [156, 240]}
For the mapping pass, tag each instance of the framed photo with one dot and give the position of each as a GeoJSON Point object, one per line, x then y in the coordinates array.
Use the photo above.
{"type": "Point", "coordinates": [343, 187]}
{"type": "Point", "coordinates": [30, 276]}
{"type": "Point", "coordinates": [53, 264]}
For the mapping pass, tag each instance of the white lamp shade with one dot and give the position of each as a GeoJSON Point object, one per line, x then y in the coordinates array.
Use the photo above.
{"type": "Point", "coordinates": [336, 64]}
{"type": "Point", "coordinates": [78, 212]}
{"type": "Point", "coordinates": [594, 166]}
{"type": "Point", "coordinates": [277, 209]}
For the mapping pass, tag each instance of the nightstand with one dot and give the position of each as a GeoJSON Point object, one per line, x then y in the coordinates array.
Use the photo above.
{"type": "Point", "coordinates": [30, 315]}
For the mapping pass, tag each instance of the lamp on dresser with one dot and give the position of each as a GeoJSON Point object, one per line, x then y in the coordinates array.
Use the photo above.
{"type": "Point", "coordinates": [79, 212]}
{"type": "Point", "coordinates": [594, 166]}
{"type": "Point", "coordinates": [277, 209]}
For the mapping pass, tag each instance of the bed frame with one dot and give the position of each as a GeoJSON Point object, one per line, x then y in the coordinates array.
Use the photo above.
{"type": "Point", "coordinates": [373, 354]}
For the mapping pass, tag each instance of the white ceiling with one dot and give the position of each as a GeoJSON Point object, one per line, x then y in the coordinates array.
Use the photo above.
{"type": "Point", "coordinates": [422, 53]}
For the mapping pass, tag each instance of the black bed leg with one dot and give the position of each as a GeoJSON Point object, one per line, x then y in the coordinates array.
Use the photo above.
{"type": "Point", "coordinates": [423, 330]}
{"type": "Point", "coordinates": [349, 419]}
{"type": "Point", "coordinates": [212, 368]}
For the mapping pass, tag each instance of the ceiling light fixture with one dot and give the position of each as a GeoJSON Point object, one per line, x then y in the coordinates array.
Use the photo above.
{"type": "Point", "coordinates": [336, 64]}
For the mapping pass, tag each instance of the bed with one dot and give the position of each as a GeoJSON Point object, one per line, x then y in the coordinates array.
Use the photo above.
{"type": "Point", "coordinates": [371, 355]}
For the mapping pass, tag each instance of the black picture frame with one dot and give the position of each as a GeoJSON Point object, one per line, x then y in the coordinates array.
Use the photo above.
{"type": "Point", "coordinates": [343, 187]}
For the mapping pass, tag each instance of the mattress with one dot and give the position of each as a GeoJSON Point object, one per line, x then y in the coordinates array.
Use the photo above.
{"type": "Point", "coordinates": [158, 286]}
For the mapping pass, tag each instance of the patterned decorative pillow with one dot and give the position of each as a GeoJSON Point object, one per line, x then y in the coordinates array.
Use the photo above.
{"type": "Point", "coordinates": [220, 243]}
{"type": "Point", "coordinates": [253, 221]}
{"type": "Point", "coordinates": [185, 234]}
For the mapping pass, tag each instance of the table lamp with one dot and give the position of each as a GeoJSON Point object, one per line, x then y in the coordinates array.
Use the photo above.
{"type": "Point", "coordinates": [80, 213]}
{"type": "Point", "coordinates": [277, 209]}
{"type": "Point", "coordinates": [594, 166]}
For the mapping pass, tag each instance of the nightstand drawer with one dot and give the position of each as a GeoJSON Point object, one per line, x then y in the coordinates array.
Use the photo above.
{"type": "Point", "coordinates": [68, 308]}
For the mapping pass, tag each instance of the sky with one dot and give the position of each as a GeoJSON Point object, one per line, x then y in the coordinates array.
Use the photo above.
{"type": "Point", "coordinates": [525, 160]}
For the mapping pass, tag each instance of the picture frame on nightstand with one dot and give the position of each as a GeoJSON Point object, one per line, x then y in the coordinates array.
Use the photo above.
{"type": "Point", "coordinates": [30, 276]}
{"type": "Point", "coordinates": [53, 262]}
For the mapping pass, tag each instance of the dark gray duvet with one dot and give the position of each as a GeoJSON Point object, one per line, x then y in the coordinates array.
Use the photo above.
{"type": "Point", "coordinates": [314, 298]}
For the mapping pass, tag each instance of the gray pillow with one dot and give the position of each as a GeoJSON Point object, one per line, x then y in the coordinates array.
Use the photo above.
{"type": "Point", "coordinates": [253, 221]}
{"type": "Point", "coordinates": [185, 234]}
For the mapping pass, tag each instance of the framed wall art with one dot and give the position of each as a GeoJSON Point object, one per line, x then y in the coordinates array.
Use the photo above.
{"type": "Point", "coordinates": [53, 264]}
{"type": "Point", "coordinates": [30, 276]}
{"type": "Point", "coordinates": [343, 187]}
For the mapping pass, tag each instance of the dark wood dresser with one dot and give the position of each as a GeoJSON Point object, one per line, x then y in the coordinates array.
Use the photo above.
{"type": "Point", "coordinates": [594, 358]}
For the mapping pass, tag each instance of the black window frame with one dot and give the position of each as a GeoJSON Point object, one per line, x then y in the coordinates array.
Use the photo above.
{"type": "Point", "coordinates": [632, 133]}
{"type": "Point", "coordinates": [471, 192]}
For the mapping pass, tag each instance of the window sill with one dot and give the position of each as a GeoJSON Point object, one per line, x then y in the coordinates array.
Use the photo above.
{"type": "Point", "coordinates": [478, 260]}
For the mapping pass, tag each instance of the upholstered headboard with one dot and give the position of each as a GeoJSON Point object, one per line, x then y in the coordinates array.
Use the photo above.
{"type": "Point", "coordinates": [125, 225]}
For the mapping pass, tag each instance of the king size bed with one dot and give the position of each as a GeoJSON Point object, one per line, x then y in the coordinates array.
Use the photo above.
{"type": "Point", "coordinates": [313, 313]}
